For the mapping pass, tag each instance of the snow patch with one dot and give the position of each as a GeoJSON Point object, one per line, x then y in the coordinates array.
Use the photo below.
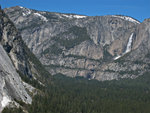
{"type": "Point", "coordinates": [127, 18]}
{"type": "Point", "coordinates": [128, 49]}
{"type": "Point", "coordinates": [23, 14]}
{"type": "Point", "coordinates": [5, 101]}
{"type": "Point", "coordinates": [41, 16]}
{"type": "Point", "coordinates": [79, 16]}
{"type": "Point", "coordinates": [74, 16]}
{"type": "Point", "coordinates": [26, 11]}
{"type": "Point", "coordinates": [43, 12]}
{"type": "Point", "coordinates": [21, 7]}
{"type": "Point", "coordinates": [59, 15]}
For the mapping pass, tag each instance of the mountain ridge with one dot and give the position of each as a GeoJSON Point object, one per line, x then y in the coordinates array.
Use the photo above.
{"type": "Point", "coordinates": [84, 46]}
{"type": "Point", "coordinates": [77, 13]}
{"type": "Point", "coordinates": [101, 48]}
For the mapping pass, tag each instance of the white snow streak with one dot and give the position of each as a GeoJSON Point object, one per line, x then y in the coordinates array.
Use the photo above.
{"type": "Point", "coordinates": [41, 16]}
{"type": "Point", "coordinates": [23, 14]}
{"type": "Point", "coordinates": [21, 7]}
{"type": "Point", "coordinates": [127, 18]}
{"type": "Point", "coordinates": [5, 101]}
{"type": "Point", "coordinates": [26, 11]}
{"type": "Point", "coordinates": [74, 16]}
{"type": "Point", "coordinates": [79, 16]}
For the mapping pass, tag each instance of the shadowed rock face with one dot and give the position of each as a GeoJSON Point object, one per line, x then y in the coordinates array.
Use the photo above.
{"type": "Point", "coordinates": [11, 84]}
{"type": "Point", "coordinates": [13, 44]}
{"type": "Point", "coordinates": [15, 60]}
{"type": "Point", "coordinates": [141, 44]}
{"type": "Point", "coordinates": [101, 47]}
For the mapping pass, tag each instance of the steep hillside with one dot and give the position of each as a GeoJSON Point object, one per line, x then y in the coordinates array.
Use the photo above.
{"type": "Point", "coordinates": [16, 60]}
{"type": "Point", "coordinates": [102, 48]}
{"type": "Point", "coordinates": [76, 45]}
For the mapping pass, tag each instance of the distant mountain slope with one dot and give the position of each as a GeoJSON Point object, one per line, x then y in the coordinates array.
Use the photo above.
{"type": "Point", "coordinates": [16, 60]}
{"type": "Point", "coordinates": [98, 47]}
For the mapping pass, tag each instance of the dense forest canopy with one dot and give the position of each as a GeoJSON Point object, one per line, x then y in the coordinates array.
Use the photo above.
{"type": "Point", "coordinates": [80, 95]}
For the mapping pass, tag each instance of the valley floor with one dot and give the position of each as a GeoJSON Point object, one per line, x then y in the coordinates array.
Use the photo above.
{"type": "Point", "coordinates": [79, 95]}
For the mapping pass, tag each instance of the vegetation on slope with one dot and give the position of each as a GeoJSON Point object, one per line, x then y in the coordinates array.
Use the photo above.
{"type": "Point", "coordinates": [80, 34]}
{"type": "Point", "coordinates": [79, 95]}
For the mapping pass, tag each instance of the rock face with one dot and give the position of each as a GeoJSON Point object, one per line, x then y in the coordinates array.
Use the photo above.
{"type": "Point", "coordinates": [13, 44]}
{"type": "Point", "coordinates": [100, 47]}
{"type": "Point", "coordinates": [15, 60]}
{"type": "Point", "coordinates": [11, 83]}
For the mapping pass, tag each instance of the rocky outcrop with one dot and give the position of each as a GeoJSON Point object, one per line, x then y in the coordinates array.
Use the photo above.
{"type": "Point", "coordinates": [100, 47]}
{"type": "Point", "coordinates": [141, 44]}
{"type": "Point", "coordinates": [16, 60]}
{"type": "Point", "coordinates": [11, 84]}
{"type": "Point", "coordinates": [13, 44]}
{"type": "Point", "coordinates": [103, 30]}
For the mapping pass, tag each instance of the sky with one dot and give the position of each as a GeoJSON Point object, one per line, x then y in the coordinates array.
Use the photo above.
{"type": "Point", "coordinates": [138, 9]}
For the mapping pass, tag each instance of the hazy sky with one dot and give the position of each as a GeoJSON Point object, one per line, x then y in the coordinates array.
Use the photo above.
{"type": "Point", "coordinates": [139, 9]}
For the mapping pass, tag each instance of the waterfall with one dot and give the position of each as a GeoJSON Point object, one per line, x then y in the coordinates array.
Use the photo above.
{"type": "Point", "coordinates": [117, 57]}
{"type": "Point", "coordinates": [128, 49]}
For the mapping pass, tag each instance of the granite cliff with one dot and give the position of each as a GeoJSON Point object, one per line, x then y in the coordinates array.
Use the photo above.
{"type": "Point", "coordinates": [98, 47]}
{"type": "Point", "coordinates": [16, 62]}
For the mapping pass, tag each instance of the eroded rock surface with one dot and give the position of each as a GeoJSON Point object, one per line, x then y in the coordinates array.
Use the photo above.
{"type": "Point", "coordinates": [98, 47]}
